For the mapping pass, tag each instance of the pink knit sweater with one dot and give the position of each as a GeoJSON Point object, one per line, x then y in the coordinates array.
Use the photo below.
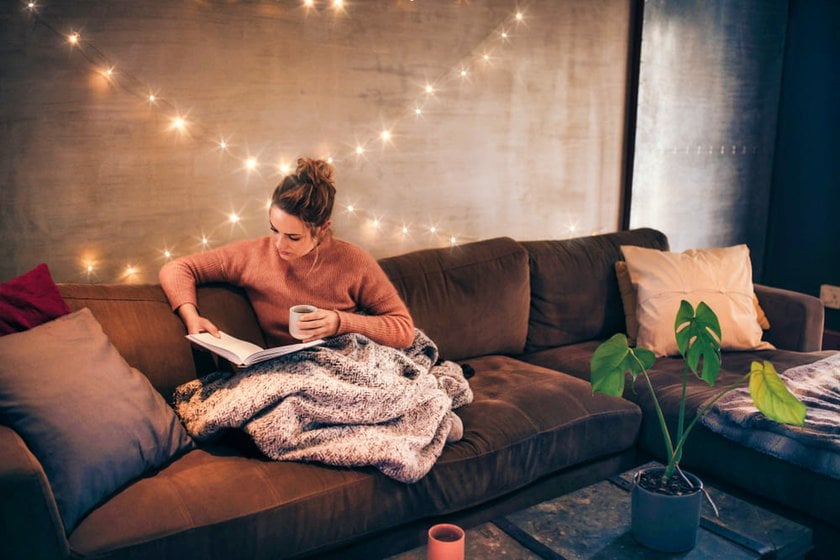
{"type": "Point", "coordinates": [335, 275]}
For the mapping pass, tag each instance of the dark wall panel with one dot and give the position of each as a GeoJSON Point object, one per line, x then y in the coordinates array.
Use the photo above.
{"type": "Point", "coordinates": [803, 245]}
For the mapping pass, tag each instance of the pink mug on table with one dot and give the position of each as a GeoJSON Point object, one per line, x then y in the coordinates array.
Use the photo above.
{"type": "Point", "coordinates": [446, 542]}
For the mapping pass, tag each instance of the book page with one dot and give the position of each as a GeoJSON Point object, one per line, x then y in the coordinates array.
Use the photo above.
{"type": "Point", "coordinates": [239, 350]}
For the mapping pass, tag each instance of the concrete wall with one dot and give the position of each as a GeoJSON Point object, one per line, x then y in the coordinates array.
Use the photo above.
{"type": "Point", "coordinates": [529, 144]}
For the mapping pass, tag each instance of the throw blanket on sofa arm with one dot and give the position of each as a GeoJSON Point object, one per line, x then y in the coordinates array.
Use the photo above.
{"type": "Point", "coordinates": [349, 402]}
{"type": "Point", "coordinates": [816, 445]}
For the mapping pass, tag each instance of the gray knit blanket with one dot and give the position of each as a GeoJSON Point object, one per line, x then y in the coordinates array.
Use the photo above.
{"type": "Point", "coordinates": [349, 402]}
{"type": "Point", "coordinates": [816, 445]}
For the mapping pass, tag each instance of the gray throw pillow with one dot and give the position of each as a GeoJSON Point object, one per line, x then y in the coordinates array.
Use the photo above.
{"type": "Point", "coordinates": [93, 422]}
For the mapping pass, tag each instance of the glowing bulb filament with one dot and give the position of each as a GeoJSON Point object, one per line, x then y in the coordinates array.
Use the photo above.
{"type": "Point", "coordinates": [73, 38]}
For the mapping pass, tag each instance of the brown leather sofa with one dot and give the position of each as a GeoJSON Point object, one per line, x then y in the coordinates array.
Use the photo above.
{"type": "Point", "coordinates": [524, 316]}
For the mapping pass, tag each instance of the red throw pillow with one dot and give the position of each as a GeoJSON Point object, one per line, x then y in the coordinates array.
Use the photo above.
{"type": "Point", "coordinates": [30, 300]}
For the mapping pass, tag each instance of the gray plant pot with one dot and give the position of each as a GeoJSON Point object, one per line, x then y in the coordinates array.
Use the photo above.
{"type": "Point", "coordinates": [662, 522]}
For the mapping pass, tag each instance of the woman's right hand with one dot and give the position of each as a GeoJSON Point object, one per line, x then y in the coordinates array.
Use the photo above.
{"type": "Point", "coordinates": [194, 322]}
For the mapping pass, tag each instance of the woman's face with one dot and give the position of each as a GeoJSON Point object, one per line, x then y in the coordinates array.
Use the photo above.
{"type": "Point", "coordinates": [290, 235]}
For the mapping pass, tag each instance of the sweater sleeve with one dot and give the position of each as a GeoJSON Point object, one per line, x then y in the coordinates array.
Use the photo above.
{"type": "Point", "coordinates": [179, 277]}
{"type": "Point", "coordinates": [384, 318]}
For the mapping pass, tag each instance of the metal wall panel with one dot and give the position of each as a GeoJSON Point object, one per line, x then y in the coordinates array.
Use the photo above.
{"type": "Point", "coordinates": [709, 84]}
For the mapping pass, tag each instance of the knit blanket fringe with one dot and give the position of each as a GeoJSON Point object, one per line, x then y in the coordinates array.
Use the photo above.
{"type": "Point", "coordinates": [814, 446]}
{"type": "Point", "coordinates": [349, 402]}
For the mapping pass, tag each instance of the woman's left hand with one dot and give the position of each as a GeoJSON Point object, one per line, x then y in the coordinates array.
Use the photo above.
{"type": "Point", "coordinates": [320, 323]}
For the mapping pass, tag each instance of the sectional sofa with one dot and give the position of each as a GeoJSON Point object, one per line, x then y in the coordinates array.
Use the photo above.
{"type": "Point", "coordinates": [524, 317]}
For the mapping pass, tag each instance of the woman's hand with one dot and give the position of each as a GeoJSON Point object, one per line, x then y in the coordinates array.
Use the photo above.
{"type": "Point", "coordinates": [194, 322]}
{"type": "Point", "coordinates": [320, 323]}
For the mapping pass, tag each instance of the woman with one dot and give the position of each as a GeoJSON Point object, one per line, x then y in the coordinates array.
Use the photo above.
{"type": "Point", "coordinates": [300, 262]}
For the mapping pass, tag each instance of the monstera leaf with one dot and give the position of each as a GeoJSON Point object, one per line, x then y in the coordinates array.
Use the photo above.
{"type": "Point", "coordinates": [612, 359]}
{"type": "Point", "coordinates": [698, 338]}
{"type": "Point", "coordinates": [771, 396]}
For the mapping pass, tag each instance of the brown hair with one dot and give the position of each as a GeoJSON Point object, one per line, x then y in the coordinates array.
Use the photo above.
{"type": "Point", "coordinates": [308, 193]}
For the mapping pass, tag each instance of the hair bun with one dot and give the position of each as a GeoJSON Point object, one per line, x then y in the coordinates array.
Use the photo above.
{"type": "Point", "coordinates": [315, 171]}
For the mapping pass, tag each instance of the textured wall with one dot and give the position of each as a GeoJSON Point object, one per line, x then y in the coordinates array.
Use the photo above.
{"type": "Point", "coordinates": [708, 101]}
{"type": "Point", "coordinates": [528, 144]}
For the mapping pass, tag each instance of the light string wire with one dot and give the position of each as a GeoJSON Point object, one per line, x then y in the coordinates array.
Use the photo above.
{"type": "Point", "coordinates": [481, 57]}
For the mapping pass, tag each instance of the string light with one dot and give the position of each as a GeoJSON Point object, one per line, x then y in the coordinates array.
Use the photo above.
{"type": "Point", "coordinates": [180, 124]}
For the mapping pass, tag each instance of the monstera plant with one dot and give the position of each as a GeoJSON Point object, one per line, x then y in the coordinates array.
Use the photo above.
{"type": "Point", "coordinates": [698, 337]}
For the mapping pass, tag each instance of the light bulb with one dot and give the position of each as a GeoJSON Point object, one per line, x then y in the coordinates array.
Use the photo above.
{"type": "Point", "coordinates": [429, 89]}
{"type": "Point", "coordinates": [73, 38]}
{"type": "Point", "coordinates": [234, 218]}
{"type": "Point", "coordinates": [178, 123]}
{"type": "Point", "coordinates": [285, 168]}
{"type": "Point", "coordinates": [350, 208]}
{"type": "Point", "coordinates": [404, 230]}
{"type": "Point", "coordinates": [223, 145]}
{"type": "Point", "coordinates": [385, 135]}
{"type": "Point", "coordinates": [251, 164]}
{"type": "Point", "coordinates": [152, 98]}
{"type": "Point", "coordinates": [359, 150]}
{"type": "Point", "coordinates": [167, 253]}
{"type": "Point", "coordinates": [519, 16]}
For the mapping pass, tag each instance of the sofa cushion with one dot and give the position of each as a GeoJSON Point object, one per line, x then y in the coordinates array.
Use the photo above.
{"type": "Point", "coordinates": [30, 300]}
{"type": "Point", "coordinates": [138, 317]}
{"type": "Point", "coordinates": [525, 422]}
{"type": "Point", "coordinates": [472, 299]}
{"type": "Point", "coordinates": [93, 422]}
{"type": "Point", "coordinates": [574, 292]}
{"type": "Point", "coordinates": [720, 277]}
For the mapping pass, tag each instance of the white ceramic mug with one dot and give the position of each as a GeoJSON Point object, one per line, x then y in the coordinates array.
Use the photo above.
{"type": "Point", "coordinates": [295, 313]}
{"type": "Point", "coordinates": [446, 542]}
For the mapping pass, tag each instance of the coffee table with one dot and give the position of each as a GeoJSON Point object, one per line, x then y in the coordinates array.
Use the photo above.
{"type": "Point", "coordinates": [594, 523]}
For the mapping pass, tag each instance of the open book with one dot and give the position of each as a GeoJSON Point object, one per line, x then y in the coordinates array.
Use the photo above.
{"type": "Point", "coordinates": [242, 353]}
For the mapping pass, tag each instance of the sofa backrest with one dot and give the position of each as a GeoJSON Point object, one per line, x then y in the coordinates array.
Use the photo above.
{"type": "Point", "coordinates": [574, 291]}
{"type": "Point", "coordinates": [141, 325]}
{"type": "Point", "coordinates": [471, 299]}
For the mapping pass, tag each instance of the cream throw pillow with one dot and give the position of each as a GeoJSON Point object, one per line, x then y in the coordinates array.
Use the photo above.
{"type": "Point", "coordinates": [721, 277]}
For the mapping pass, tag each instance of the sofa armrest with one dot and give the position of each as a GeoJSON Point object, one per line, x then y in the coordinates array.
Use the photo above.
{"type": "Point", "coordinates": [796, 319]}
{"type": "Point", "coordinates": [30, 526]}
